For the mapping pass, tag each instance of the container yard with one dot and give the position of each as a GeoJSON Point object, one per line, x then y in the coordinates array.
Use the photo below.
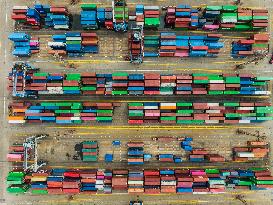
{"type": "Point", "coordinates": [136, 102]}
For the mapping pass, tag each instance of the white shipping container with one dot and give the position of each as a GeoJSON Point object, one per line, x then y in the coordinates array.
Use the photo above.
{"type": "Point", "coordinates": [245, 154]}
{"type": "Point", "coordinates": [55, 44]}
{"type": "Point", "coordinates": [166, 93]}
{"type": "Point", "coordinates": [168, 85]}
{"type": "Point", "coordinates": [213, 104]}
{"type": "Point", "coordinates": [244, 121]}
{"type": "Point", "coordinates": [216, 81]}
{"type": "Point", "coordinates": [17, 121]}
{"type": "Point", "coordinates": [167, 104]}
{"type": "Point", "coordinates": [99, 181]}
{"type": "Point", "coordinates": [168, 183]}
{"type": "Point", "coordinates": [262, 92]}
{"type": "Point", "coordinates": [200, 192]}
{"type": "Point", "coordinates": [74, 38]}
{"type": "Point", "coordinates": [75, 118]}
{"type": "Point", "coordinates": [150, 107]}
{"type": "Point", "coordinates": [245, 108]}
{"type": "Point", "coordinates": [211, 121]}
{"type": "Point", "coordinates": [213, 111]}
{"type": "Point", "coordinates": [135, 182]}
{"type": "Point", "coordinates": [151, 7]}
{"type": "Point", "coordinates": [61, 26]}
{"type": "Point", "coordinates": [20, 7]}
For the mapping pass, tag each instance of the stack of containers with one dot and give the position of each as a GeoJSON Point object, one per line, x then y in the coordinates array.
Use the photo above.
{"type": "Point", "coordinates": [88, 181]}
{"type": "Point", "coordinates": [101, 16]}
{"type": "Point", "coordinates": [214, 158]}
{"type": "Point", "coordinates": [255, 150]}
{"type": "Point", "coordinates": [184, 181]}
{"type": "Point", "coordinates": [199, 113]}
{"type": "Point", "coordinates": [216, 182]}
{"type": "Point", "coordinates": [152, 84]}
{"type": "Point", "coordinates": [61, 112]}
{"type": "Point", "coordinates": [151, 16]}
{"type": "Point", "coordinates": [151, 181]}
{"type": "Point", "coordinates": [121, 13]}
{"type": "Point", "coordinates": [256, 44]}
{"type": "Point", "coordinates": [230, 17]}
{"type": "Point", "coordinates": [74, 44]}
{"type": "Point", "coordinates": [109, 19]}
{"type": "Point", "coordinates": [39, 183]}
{"type": "Point", "coordinates": [58, 18]}
{"type": "Point", "coordinates": [89, 16]}
{"type": "Point", "coordinates": [107, 182]}
{"type": "Point", "coordinates": [167, 84]}
{"type": "Point", "coordinates": [120, 83]}
{"type": "Point", "coordinates": [29, 17]}
{"type": "Point", "coordinates": [16, 182]}
{"type": "Point", "coordinates": [186, 144]}
{"type": "Point", "coordinates": [120, 180]}
{"type": "Point", "coordinates": [168, 113]}
{"type": "Point", "coordinates": [167, 181]}
{"type": "Point", "coordinates": [166, 158]}
{"type": "Point", "coordinates": [193, 46]}
{"type": "Point", "coordinates": [100, 180]}
{"type": "Point", "coordinates": [136, 182]}
{"type": "Point", "coordinates": [135, 153]}
{"type": "Point", "coordinates": [262, 180]}
{"type": "Point", "coordinates": [90, 151]}
{"type": "Point", "coordinates": [16, 153]}
{"type": "Point", "coordinates": [140, 15]}
{"type": "Point", "coordinates": [54, 185]}
{"type": "Point", "coordinates": [200, 181]}
{"type": "Point", "coordinates": [197, 155]}
{"type": "Point", "coordinates": [42, 16]}
{"type": "Point", "coordinates": [167, 44]}
{"type": "Point", "coordinates": [71, 182]}
{"type": "Point", "coordinates": [151, 45]}
{"type": "Point", "coordinates": [182, 17]}
{"type": "Point", "coordinates": [136, 84]}
{"type": "Point", "coordinates": [24, 44]}
{"type": "Point", "coordinates": [260, 19]}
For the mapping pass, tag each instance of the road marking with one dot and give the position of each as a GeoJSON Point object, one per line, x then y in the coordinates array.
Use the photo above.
{"type": "Point", "coordinates": [155, 127]}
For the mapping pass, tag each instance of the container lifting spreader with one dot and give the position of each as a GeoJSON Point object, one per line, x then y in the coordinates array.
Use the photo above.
{"type": "Point", "coordinates": [136, 45]}
{"type": "Point", "coordinates": [120, 15]}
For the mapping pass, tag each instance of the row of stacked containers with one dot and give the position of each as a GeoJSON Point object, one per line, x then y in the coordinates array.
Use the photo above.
{"type": "Point", "coordinates": [42, 16]}
{"type": "Point", "coordinates": [60, 112]}
{"type": "Point", "coordinates": [74, 44]}
{"type": "Point", "coordinates": [22, 79]}
{"type": "Point", "coordinates": [252, 151]}
{"type": "Point", "coordinates": [24, 44]}
{"type": "Point", "coordinates": [139, 113]}
{"type": "Point", "coordinates": [198, 113]}
{"type": "Point", "coordinates": [181, 17]}
{"type": "Point", "coordinates": [256, 44]}
{"type": "Point", "coordinates": [148, 181]}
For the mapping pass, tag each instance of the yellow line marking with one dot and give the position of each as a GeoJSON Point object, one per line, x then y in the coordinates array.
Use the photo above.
{"type": "Point", "coordinates": [155, 127]}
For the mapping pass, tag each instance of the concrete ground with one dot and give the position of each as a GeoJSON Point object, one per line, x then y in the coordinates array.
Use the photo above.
{"type": "Point", "coordinates": [110, 59]}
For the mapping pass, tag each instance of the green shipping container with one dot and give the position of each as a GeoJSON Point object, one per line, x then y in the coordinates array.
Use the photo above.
{"type": "Point", "coordinates": [181, 104]}
{"type": "Point", "coordinates": [119, 92]}
{"type": "Point", "coordinates": [184, 111]}
{"type": "Point", "coordinates": [215, 92]}
{"type": "Point", "coordinates": [167, 118]}
{"type": "Point", "coordinates": [88, 7]}
{"type": "Point", "coordinates": [88, 88]}
{"type": "Point", "coordinates": [231, 104]}
{"type": "Point", "coordinates": [34, 191]}
{"type": "Point", "coordinates": [212, 171]}
{"type": "Point", "coordinates": [134, 104]}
